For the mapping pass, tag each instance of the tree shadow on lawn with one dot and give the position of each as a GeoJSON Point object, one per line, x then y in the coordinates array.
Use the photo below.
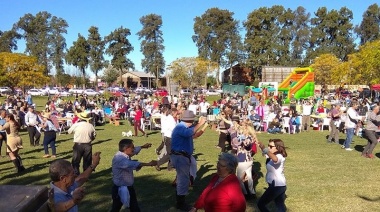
{"type": "Point", "coordinates": [100, 141]}
{"type": "Point", "coordinates": [368, 198]}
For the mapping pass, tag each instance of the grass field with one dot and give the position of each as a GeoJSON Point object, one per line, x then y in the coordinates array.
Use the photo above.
{"type": "Point", "coordinates": [320, 176]}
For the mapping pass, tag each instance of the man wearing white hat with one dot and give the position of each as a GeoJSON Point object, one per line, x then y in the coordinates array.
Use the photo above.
{"type": "Point", "coordinates": [84, 133]}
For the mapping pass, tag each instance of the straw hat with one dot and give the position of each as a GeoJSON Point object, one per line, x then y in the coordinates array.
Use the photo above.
{"type": "Point", "coordinates": [84, 116]}
{"type": "Point", "coordinates": [46, 115]}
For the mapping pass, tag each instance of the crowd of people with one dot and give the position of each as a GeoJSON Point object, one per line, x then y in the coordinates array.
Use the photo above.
{"type": "Point", "coordinates": [238, 120]}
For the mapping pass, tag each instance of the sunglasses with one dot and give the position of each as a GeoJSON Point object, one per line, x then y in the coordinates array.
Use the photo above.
{"type": "Point", "coordinates": [270, 146]}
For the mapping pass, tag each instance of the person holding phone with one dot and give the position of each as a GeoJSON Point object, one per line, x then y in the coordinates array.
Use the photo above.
{"type": "Point", "coordinates": [276, 154]}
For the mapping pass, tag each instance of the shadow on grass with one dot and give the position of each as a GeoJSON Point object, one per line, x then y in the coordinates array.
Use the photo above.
{"type": "Point", "coordinates": [359, 148]}
{"type": "Point", "coordinates": [376, 199]}
{"type": "Point", "coordinates": [100, 141]}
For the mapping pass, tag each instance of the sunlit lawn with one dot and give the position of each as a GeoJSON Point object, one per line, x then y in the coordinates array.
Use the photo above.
{"type": "Point", "coordinates": [320, 176]}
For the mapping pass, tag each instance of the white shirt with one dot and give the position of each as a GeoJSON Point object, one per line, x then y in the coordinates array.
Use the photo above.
{"type": "Point", "coordinates": [352, 115]}
{"type": "Point", "coordinates": [204, 106]}
{"type": "Point", "coordinates": [168, 126]}
{"type": "Point", "coordinates": [275, 171]}
{"type": "Point", "coordinates": [194, 108]}
{"type": "Point", "coordinates": [306, 109]}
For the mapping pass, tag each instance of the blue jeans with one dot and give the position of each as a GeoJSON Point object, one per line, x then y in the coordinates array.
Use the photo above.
{"type": "Point", "coordinates": [274, 130]}
{"type": "Point", "coordinates": [276, 193]}
{"type": "Point", "coordinates": [350, 135]}
{"type": "Point", "coordinates": [49, 138]}
{"type": "Point", "coordinates": [182, 167]}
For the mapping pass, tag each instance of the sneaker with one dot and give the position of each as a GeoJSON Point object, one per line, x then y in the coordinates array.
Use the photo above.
{"type": "Point", "coordinates": [53, 156]}
{"type": "Point", "coordinates": [348, 149]}
{"type": "Point", "coordinates": [157, 168]}
{"type": "Point", "coordinates": [342, 146]}
{"type": "Point", "coordinates": [46, 156]}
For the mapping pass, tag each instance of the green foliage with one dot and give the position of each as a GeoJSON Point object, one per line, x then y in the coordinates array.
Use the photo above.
{"type": "Point", "coordinates": [8, 40]}
{"type": "Point", "coordinates": [78, 56]}
{"type": "Point", "coordinates": [216, 34]}
{"type": "Point", "coordinates": [119, 47]}
{"type": "Point", "coordinates": [43, 37]}
{"type": "Point", "coordinates": [96, 52]}
{"type": "Point", "coordinates": [152, 45]}
{"type": "Point", "coordinates": [109, 75]}
{"type": "Point", "coordinates": [58, 46]}
{"type": "Point", "coordinates": [369, 28]}
{"type": "Point", "coordinates": [331, 32]}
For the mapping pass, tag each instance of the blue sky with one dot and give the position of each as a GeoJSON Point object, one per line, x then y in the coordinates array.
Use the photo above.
{"type": "Point", "coordinates": [178, 17]}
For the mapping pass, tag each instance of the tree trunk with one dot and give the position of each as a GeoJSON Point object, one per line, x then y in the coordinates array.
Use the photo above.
{"type": "Point", "coordinates": [84, 78]}
{"type": "Point", "coordinates": [231, 73]}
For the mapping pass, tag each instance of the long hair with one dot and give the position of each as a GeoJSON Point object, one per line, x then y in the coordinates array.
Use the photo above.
{"type": "Point", "coordinates": [280, 146]}
{"type": "Point", "coordinates": [12, 119]}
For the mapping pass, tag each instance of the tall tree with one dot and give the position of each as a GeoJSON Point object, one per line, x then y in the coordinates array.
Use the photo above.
{"type": "Point", "coordinates": [331, 32]}
{"type": "Point", "coordinates": [78, 56]}
{"type": "Point", "coordinates": [8, 40]}
{"type": "Point", "coordinates": [152, 45]}
{"type": "Point", "coordinates": [35, 31]}
{"type": "Point", "coordinates": [96, 52]}
{"type": "Point", "coordinates": [58, 46]}
{"type": "Point", "coordinates": [262, 38]}
{"type": "Point", "coordinates": [119, 47]}
{"type": "Point", "coordinates": [369, 28]}
{"type": "Point", "coordinates": [301, 33]}
{"type": "Point", "coordinates": [42, 34]}
{"type": "Point", "coordinates": [216, 34]}
{"type": "Point", "coordinates": [20, 70]}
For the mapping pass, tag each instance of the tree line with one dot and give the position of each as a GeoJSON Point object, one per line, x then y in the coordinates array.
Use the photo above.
{"type": "Point", "coordinates": [273, 36]}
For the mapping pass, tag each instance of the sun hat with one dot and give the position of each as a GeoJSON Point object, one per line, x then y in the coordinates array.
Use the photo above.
{"type": "Point", "coordinates": [84, 116]}
{"type": "Point", "coordinates": [188, 115]}
{"type": "Point", "coordinates": [46, 115]}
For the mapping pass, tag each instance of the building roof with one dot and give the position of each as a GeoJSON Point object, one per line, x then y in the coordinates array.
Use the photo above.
{"type": "Point", "coordinates": [142, 74]}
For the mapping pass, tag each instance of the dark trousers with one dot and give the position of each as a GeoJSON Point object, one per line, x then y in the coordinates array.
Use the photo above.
{"type": "Point", "coordinates": [49, 138]}
{"type": "Point", "coordinates": [34, 134]}
{"type": "Point", "coordinates": [276, 193]}
{"type": "Point", "coordinates": [223, 137]}
{"type": "Point", "coordinates": [81, 150]}
{"type": "Point", "coordinates": [116, 203]}
{"type": "Point", "coordinates": [372, 141]}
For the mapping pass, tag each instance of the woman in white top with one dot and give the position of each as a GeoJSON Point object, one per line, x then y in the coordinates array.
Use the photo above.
{"type": "Point", "coordinates": [276, 154]}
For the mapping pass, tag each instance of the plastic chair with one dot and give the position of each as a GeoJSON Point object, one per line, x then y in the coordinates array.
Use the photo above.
{"type": "Point", "coordinates": [326, 122]}
{"type": "Point", "coordinates": [285, 123]}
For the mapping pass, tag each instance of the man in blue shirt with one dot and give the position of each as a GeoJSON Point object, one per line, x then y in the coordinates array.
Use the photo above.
{"type": "Point", "coordinates": [68, 192]}
{"type": "Point", "coordinates": [181, 151]}
{"type": "Point", "coordinates": [122, 172]}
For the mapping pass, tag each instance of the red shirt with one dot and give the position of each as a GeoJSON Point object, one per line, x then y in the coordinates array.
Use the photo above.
{"type": "Point", "coordinates": [138, 115]}
{"type": "Point", "coordinates": [225, 197]}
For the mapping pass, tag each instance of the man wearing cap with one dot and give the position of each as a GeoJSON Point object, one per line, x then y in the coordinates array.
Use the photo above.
{"type": "Point", "coordinates": [181, 152]}
{"type": "Point", "coordinates": [335, 114]}
{"type": "Point", "coordinates": [84, 133]}
{"type": "Point", "coordinates": [32, 121]}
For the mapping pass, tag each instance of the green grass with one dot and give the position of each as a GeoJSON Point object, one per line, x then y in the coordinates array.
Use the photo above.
{"type": "Point", "coordinates": [320, 176]}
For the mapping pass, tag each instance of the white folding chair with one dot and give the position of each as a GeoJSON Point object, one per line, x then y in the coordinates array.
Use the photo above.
{"type": "Point", "coordinates": [285, 123]}
{"type": "Point", "coordinates": [326, 122]}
